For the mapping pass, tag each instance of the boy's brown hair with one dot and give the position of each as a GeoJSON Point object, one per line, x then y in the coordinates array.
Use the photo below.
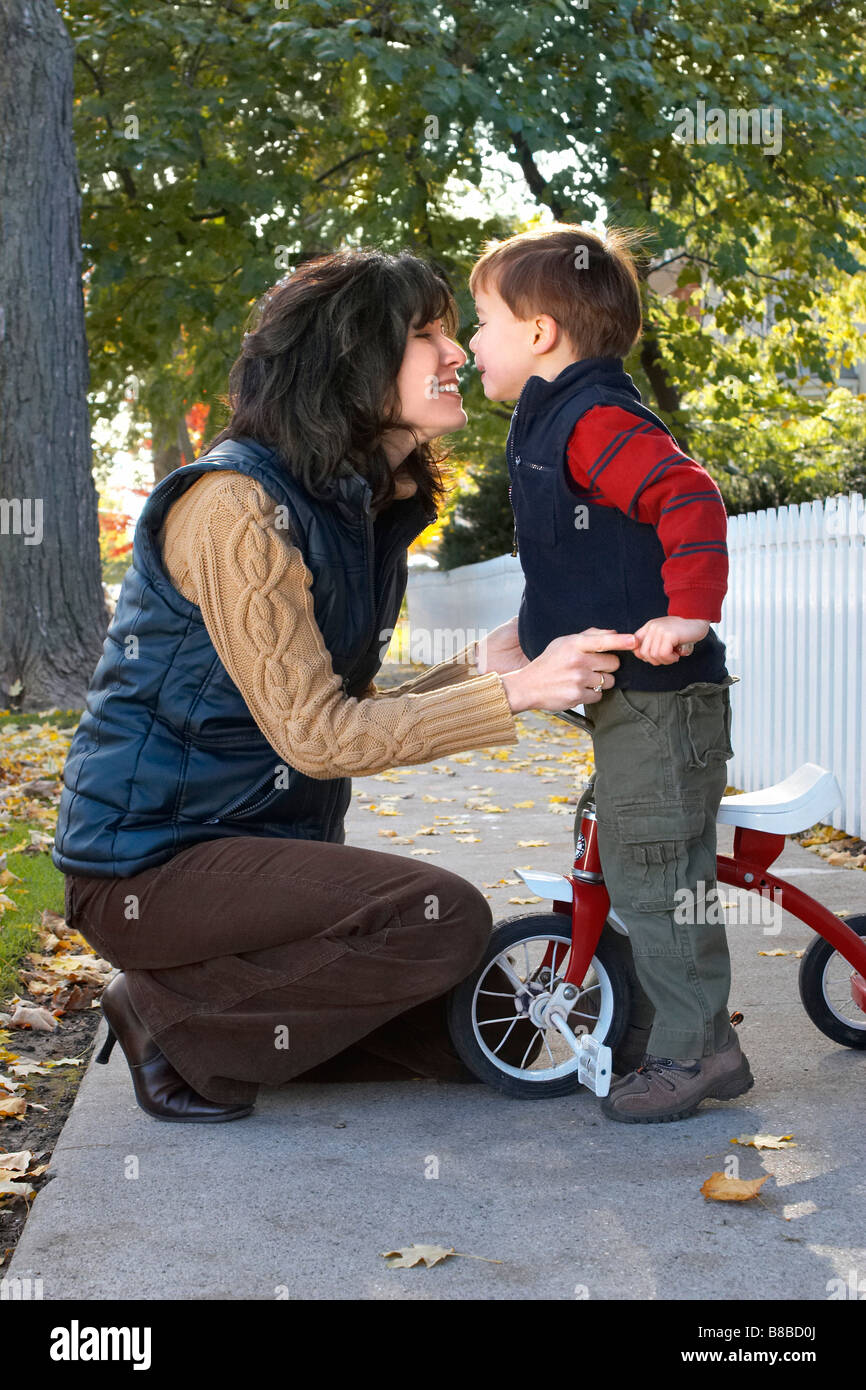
{"type": "Point", "coordinates": [589, 284]}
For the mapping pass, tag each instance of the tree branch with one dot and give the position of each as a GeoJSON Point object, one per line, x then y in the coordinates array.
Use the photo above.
{"type": "Point", "coordinates": [537, 184]}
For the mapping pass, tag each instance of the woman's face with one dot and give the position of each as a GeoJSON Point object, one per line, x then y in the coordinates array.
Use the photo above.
{"type": "Point", "coordinates": [428, 392]}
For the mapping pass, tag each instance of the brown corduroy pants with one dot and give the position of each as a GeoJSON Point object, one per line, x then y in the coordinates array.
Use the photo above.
{"type": "Point", "coordinates": [258, 961]}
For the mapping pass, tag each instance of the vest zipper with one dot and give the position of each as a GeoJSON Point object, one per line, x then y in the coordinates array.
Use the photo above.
{"type": "Point", "coordinates": [239, 801]}
{"type": "Point", "coordinates": [516, 461]}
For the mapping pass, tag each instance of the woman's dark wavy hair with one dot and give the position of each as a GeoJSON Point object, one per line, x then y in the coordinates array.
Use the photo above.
{"type": "Point", "coordinates": [316, 377]}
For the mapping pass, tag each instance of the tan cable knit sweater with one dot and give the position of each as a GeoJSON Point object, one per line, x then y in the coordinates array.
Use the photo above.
{"type": "Point", "coordinates": [223, 552]}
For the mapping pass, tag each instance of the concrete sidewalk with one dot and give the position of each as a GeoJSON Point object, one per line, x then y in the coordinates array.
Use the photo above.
{"type": "Point", "coordinates": [303, 1195]}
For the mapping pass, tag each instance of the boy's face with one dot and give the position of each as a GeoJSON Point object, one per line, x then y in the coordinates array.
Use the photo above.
{"type": "Point", "coordinates": [502, 347]}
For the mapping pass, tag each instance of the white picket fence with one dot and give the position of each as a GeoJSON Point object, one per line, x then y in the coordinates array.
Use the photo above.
{"type": "Point", "coordinates": [793, 621]}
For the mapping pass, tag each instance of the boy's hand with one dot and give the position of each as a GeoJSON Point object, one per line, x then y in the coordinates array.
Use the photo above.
{"type": "Point", "coordinates": [500, 650]}
{"type": "Point", "coordinates": [662, 641]}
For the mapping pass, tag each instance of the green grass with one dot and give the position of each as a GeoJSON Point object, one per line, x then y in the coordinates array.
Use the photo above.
{"type": "Point", "coordinates": [62, 719]}
{"type": "Point", "coordinates": [45, 885]}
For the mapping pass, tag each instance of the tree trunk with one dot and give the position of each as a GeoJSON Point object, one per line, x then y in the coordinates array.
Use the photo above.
{"type": "Point", "coordinates": [53, 613]}
{"type": "Point", "coordinates": [666, 394]}
{"type": "Point", "coordinates": [172, 447]}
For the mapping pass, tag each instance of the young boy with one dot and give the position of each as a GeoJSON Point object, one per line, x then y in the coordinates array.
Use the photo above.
{"type": "Point", "coordinates": [618, 529]}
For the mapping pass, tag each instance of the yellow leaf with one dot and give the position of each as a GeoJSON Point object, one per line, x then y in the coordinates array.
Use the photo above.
{"type": "Point", "coordinates": [525, 900]}
{"type": "Point", "coordinates": [468, 839]}
{"type": "Point", "coordinates": [522, 805]}
{"type": "Point", "coordinates": [427, 830]}
{"type": "Point", "coordinates": [531, 844]}
{"type": "Point", "coordinates": [411, 1255]}
{"type": "Point", "coordinates": [766, 1141]}
{"type": "Point", "coordinates": [774, 953]}
{"type": "Point", "coordinates": [12, 1105]}
{"type": "Point", "coordinates": [560, 798]}
{"type": "Point", "coordinates": [720, 1188]}
{"type": "Point", "coordinates": [423, 851]}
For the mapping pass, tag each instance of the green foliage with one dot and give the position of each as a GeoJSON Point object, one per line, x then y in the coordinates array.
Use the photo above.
{"type": "Point", "coordinates": [783, 457]}
{"type": "Point", "coordinates": [481, 525]}
{"type": "Point", "coordinates": [267, 133]}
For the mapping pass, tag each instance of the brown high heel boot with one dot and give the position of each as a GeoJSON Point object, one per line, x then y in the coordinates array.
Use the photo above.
{"type": "Point", "coordinates": [159, 1089]}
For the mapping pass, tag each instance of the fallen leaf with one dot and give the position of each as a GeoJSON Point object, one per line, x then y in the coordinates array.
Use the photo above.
{"type": "Point", "coordinates": [531, 844]}
{"type": "Point", "coordinates": [720, 1188]}
{"type": "Point", "coordinates": [764, 1141]}
{"type": "Point", "coordinates": [424, 851]}
{"type": "Point", "coordinates": [16, 1189]}
{"type": "Point", "coordinates": [774, 953]}
{"type": "Point", "coordinates": [17, 1162]}
{"type": "Point", "coordinates": [39, 1018]}
{"type": "Point", "coordinates": [525, 900]}
{"type": "Point", "coordinates": [12, 1105]}
{"type": "Point", "coordinates": [522, 805]}
{"type": "Point", "coordinates": [412, 1255]}
{"type": "Point", "coordinates": [40, 1069]}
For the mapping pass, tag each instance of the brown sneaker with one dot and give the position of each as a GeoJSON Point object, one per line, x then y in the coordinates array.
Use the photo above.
{"type": "Point", "coordinates": [662, 1090]}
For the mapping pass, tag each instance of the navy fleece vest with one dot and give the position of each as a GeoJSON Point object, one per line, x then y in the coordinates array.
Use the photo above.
{"type": "Point", "coordinates": [586, 565]}
{"type": "Point", "coordinates": [167, 752]}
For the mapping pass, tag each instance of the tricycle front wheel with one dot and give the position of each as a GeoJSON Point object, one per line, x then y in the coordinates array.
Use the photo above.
{"type": "Point", "coordinates": [488, 1011]}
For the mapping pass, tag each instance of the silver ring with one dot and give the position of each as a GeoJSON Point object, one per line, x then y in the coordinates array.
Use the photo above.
{"type": "Point", "coordinates": [599, 687]}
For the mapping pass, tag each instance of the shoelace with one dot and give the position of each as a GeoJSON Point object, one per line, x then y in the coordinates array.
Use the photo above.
{"type": "Point", "coordinates": [660, 1064]}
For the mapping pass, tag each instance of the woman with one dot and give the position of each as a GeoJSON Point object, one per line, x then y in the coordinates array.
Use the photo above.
{"type": "Point", "coordinates": [200, 826]}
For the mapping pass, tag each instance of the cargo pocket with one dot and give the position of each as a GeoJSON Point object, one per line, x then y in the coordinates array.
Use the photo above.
{"type": "Point", "coordinates": [654, 839]}
{"type": "Point", "coordinates": [705, 722]}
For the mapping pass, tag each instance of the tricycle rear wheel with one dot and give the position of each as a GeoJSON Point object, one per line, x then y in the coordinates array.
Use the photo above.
{"type": "Point", "coordinates": [826, 991]}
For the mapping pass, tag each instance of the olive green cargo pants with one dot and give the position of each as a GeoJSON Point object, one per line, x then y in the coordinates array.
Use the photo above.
{"type": "Point", "coordinates": [660, 759]}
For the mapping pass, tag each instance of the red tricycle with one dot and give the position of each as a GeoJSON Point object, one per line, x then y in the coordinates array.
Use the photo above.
{"type": "Point", "coordinates": [566, 993]}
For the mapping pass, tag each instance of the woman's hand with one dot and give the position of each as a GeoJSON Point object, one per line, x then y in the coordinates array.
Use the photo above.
{"type": "Point", "coordinates": [568, 671]}
{"type": "Point", "coordinates": [500, 650]}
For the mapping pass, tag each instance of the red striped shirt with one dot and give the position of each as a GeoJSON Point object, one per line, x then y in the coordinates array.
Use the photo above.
{"type": "Point", "coordinates": [623, 461]}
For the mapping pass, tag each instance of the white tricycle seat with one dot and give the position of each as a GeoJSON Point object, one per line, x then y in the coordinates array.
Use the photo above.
{"type": "Point", "coordinates": [786, 807]}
